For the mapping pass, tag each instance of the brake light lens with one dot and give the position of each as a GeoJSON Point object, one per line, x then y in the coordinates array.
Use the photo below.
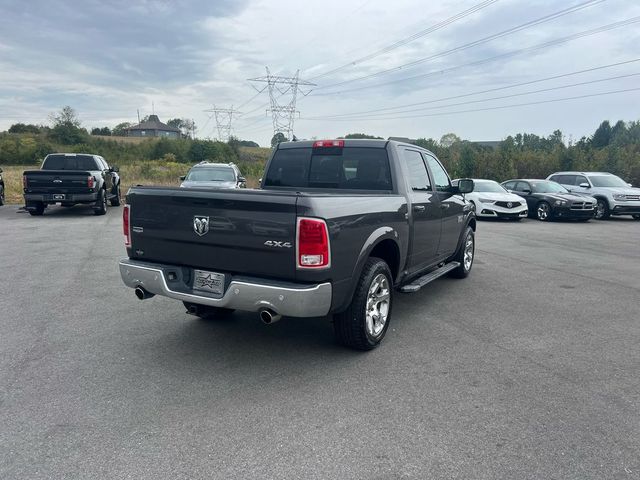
{"type": "Point", "coordinates": [313, 243]}
{"type": "Point", "coordinates": [126, 226]}
{"type": "Point", "coordinates": [328, 143]}
{"type": "Point", "coordinates": [24, 181]}
{"type": "Point", "coordinates": [90, 182]}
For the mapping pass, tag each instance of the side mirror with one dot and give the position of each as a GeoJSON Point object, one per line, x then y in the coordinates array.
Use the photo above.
{"type": "Point", "coordinates": [183, 177]}
{"type": "Point", "coordinates": [1, 172]}
{"type": "Point", "coordinates": [242, 180]}
{"type": "Point", "coordinates": [584, 185]}
{"type": "Point", "coordinates": [465, 185]}
{"type": "Point", "coordinates": [114, 169]}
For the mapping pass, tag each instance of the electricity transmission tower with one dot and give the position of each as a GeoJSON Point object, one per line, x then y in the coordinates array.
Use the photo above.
{"type": "Point", "coordinates": [224, 119]}
{"type": "Point", "coordinates": [283, 112]}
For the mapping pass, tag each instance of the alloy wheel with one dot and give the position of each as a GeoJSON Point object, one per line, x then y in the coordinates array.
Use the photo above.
{"type": "Point", "coordinates": [377, 306]}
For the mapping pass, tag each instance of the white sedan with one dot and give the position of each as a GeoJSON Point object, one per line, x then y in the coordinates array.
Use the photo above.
{"type": "Point", "coordinates": [490, 199]}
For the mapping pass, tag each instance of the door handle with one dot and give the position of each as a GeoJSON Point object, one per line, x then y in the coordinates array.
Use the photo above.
{"type": "Point", "coordinates": [418, 208]}
{"type": "Point", "coordinates": [444, 206]}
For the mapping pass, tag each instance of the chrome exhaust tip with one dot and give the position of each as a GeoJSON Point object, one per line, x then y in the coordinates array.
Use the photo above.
{"type": "Point", "coordinates": [142, 294]}
{"type": "Point", "coordinates": [268, 316]}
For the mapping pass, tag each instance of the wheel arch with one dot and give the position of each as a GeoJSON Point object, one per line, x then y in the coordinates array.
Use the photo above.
{"type": "Point", "coordinates": [381, 243]}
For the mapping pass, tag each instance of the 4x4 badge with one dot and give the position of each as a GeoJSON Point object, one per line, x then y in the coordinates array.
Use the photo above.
{"type": "Point", "coordinates": [200, 224]}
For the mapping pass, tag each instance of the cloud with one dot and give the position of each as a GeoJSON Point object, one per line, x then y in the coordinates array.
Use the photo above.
{"type": "Point", "coordinates": [109, 58]}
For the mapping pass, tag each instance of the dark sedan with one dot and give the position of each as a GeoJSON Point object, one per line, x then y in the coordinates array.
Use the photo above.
{"type": "Point", "coordinates": [549, 200]}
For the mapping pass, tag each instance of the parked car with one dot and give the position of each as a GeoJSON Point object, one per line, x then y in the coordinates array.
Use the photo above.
{"type": "Point", "coordinates": [213, 175]}
{"type": "Point", "coordinates": [2, 197]}
{"type": "Point", "coordinates": [335, 227]}
{"type": "Point", "coordinates": [548, 200]}
{"type": "Point", "coordinates": [490, 199]}
{"type": "Point", "coordinates": [614, 196]}
{"type": "Point", "coordinates": [70, 179]}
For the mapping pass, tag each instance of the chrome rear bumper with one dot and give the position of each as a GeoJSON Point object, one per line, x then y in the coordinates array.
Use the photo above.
{"type": "Point", "coordinates": [242, 293]}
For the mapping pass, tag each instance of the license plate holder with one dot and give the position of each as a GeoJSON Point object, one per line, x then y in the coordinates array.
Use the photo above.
{"type": "Point", "coordinates": [59, 196]}
{"type": "Point", "coordinates": [210, 282]}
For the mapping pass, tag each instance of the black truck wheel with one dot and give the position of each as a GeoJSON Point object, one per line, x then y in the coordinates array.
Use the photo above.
{"type": "Point", "coordinates": [465, 254]}
{"type": "Point", "coordinates": [115, 201]}
{"type": "Point", "coordinates": [101, 204]}
{"type": "Point", "coordinates": [206, 312]}
{"type": "Point", "coordinates": [36, 208]}
{"type": "Point", "coordinates": [364, 323]}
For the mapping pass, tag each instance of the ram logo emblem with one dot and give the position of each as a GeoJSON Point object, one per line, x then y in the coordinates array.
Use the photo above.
{"type": "Point", "coordinates": [200, 225]}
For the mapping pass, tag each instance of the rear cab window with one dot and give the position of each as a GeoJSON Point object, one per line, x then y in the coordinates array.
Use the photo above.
{"type": "Point", "coordinates": [353, 168]}
{"type": "Point", "coordinates": [70, 162]}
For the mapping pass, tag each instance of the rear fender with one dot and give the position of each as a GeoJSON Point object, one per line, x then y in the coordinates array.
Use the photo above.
{"type": "Point", "coordinates": [376, 238]}
{"type": "Point", "coordinates": [469, 222]}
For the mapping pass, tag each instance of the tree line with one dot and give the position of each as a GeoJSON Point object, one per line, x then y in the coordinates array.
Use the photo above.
{"type": "Point", "coordinates": [614, 149]}
{"type": "Point", "coordinates": [611, 148]}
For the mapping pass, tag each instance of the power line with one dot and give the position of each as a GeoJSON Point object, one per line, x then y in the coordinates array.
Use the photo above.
{"type": "Point", "coordinates": [512, 53]}
{"type": "Point", "coordinates": [531, 92]}
{"type": "Point", "coordinates": [509, 31]}
{"type": "Point", "coordinates": [612, 92]}
{"type": "Point", "coordinates": [479, 92]}
{"type": "Point", "coordinates": [411, 38]}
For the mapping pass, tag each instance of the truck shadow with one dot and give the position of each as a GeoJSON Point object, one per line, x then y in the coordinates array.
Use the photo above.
{"type": "Point", "coordinates": [241, 341]}
{"type": "Point", "coordinates": [75, 211]}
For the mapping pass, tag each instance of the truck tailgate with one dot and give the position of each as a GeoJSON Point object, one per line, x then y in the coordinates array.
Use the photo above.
{"type": "Point", "coordinates": [246, 232]}
{"type": "Point", "coordinates": [57, 181]}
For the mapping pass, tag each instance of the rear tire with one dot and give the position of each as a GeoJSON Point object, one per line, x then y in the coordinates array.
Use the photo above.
{"type": "Point", "coordinates": [365, 322]}
{"type": "Point", "coordinates": [465, 255]}
{"type": "Point", "coordinates": [36, 209]}
{"type": "Point", "coordinates": [115, 201]}
{"type": "Point", "coordinates": [101, 203]}
{"type": "Point", "coordinates": [206, 312]}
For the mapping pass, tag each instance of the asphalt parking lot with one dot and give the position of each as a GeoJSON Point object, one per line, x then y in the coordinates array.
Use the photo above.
{"type": "Point", "coordinates": [527, 369]}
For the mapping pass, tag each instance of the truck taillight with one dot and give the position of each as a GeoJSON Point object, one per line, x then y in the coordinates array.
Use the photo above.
{"type": "Point", "coordinates": [328, 143]}
{"type": "Point", "coordinates": [90, 182]}
{"type": "Point", "coordinates": [125, 225]}
{"type": "Point", "coordinates": [24, 181]}
{"type": "Point", "coordinates": [312, 248]}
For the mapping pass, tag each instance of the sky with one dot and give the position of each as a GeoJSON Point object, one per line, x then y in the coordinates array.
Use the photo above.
{"type": "Point", "coordinates": [426, 63]}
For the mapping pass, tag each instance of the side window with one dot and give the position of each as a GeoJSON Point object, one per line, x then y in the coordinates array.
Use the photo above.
{"type": "Point", "coordinates": [559, 178]}
{"type": "Point", "coordinates": [418, 177]}
{"type": "Point", "coordinates": [510, 185]}
{"type": "Point", "coordinates": [440, 177]}
{"type": "Point", "coordinates": [564, 179]}
{"type": "Point", "coordinates": [521, 186]}
{"type": "Point", "coordinates": [580, 179]}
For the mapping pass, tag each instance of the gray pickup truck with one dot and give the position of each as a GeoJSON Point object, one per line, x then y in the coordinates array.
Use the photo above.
{"type": "Point", "coordinates": [336, 226]}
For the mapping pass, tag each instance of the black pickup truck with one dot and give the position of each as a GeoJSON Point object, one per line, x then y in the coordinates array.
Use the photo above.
{"type": "Point", "coordinates": [336, 226]}
{"type": "Point", "coordinates": [69, 179]}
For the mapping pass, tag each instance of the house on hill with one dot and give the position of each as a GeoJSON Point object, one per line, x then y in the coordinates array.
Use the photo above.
{"type": "Point", "coordinates": [153, 127]}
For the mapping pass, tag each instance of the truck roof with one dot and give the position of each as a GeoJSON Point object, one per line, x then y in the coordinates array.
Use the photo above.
{"type": "Point", "coordinates": [353, 142]}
